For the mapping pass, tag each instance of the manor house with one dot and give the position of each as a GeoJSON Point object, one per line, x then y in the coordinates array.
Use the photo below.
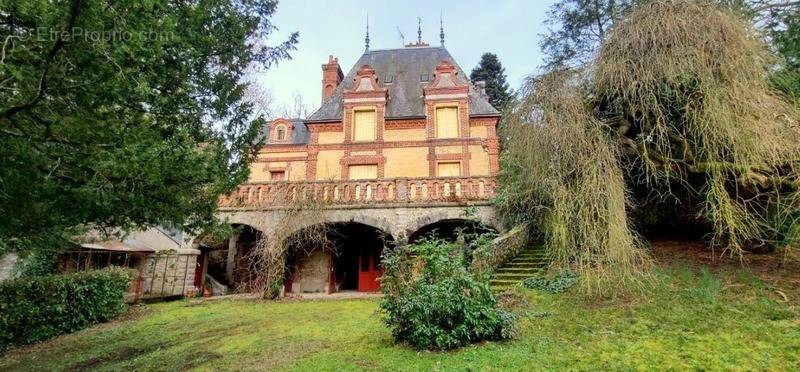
{"type": "Point", "coordinates": [402, 145]}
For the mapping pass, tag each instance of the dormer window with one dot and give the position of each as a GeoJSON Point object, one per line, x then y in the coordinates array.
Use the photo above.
{"type": "Point", "coordinates": [423, 78]}
{"type": "Point", "coordinates": [280, 133]}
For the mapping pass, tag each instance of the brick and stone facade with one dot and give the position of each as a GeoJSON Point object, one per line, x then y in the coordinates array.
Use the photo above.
{"type": "Point", "coordinates": [403, 141]}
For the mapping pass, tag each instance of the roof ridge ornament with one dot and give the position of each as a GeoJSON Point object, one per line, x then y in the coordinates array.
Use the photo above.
{"type": "Point", "coordinates": [419, 30]}
{"type": "Point", "coordinates": [419, 42]}
{"type": "Point", "coordinates": [441, 28]}
{"type": "Point", "coordinates": [366, 39]}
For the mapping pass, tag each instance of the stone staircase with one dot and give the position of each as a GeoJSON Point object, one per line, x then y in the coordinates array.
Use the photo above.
{"type": "Point", "coordinates": [527, 263]}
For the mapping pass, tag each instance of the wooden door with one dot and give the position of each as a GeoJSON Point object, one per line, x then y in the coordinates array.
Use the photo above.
{"type": "Point", "coordinates": [369, 272]}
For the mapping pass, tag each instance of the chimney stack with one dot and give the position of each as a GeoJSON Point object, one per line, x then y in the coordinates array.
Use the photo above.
{"type": "Point", "coordinates": [331, 77]}
{"type": "Point", "coordinates": [480, 86]}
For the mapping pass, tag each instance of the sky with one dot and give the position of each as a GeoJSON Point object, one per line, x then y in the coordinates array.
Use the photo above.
{"type": "Point", "coordinates": [510, 28]}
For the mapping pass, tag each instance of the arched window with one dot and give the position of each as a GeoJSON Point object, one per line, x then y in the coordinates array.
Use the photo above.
{"type": "Point", "coordinates": [280, 133]}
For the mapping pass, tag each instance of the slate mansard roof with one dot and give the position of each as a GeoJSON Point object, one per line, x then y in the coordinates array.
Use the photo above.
{"type": "Point", "coordinates": [299, 133]}
{"type": "Point", "coordinates": [401, 71]}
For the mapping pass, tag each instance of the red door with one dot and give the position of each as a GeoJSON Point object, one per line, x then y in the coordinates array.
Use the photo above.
{"type": "Point", "coordinates": [368, 273]}
{"type": "Point", "coordinates": [198, 270]}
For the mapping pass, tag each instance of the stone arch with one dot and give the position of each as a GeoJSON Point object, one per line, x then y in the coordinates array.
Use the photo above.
{"type": "Point", "coordinates": [349, 257]}
{"type": "Point", "coordinates": [341, 217]}
{"type": "Point", "coordinates": [448, 229]}
{"type": "Point", "coordinates": [450, 214]}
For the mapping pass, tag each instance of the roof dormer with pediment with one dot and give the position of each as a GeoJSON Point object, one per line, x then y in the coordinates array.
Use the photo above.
{"type": "Point", "coordinates": [408, 75]}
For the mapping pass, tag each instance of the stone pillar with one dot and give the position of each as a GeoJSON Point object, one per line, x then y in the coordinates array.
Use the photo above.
{"type": "Point", "coordinates": [230, 265]}
{"type": "Point", "coordinates": [401, 189]}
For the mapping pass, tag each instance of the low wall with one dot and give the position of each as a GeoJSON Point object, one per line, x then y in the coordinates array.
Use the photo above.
{"type": "Point", "coordinates": [501, 250]}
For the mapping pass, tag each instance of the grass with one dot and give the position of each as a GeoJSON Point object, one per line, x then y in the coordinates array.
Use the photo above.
{"type": "Point", "coordinates": [692, 317]}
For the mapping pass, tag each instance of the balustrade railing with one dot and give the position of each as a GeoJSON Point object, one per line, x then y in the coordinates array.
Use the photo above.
{"type": "Point", "coordinates": [399, 190]}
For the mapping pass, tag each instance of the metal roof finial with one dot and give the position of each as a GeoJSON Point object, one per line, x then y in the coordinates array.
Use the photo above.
{"type": "Point", "coordinates": [419, 30]}
{"type": "Point", "coordinates": [441, 29]}
{"type": "Point", "coordinates": [366, 39]}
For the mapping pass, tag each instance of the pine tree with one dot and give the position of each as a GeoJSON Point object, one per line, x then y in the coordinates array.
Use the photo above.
{"type": "Point", "coordinates": [490, 70]}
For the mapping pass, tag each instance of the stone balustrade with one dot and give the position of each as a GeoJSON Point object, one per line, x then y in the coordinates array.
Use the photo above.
{"type": "Point", "coordinates": [359, 192]}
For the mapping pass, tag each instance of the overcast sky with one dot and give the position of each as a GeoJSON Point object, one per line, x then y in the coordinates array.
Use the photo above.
{"type": "Point", "coordinates": [508, 28]}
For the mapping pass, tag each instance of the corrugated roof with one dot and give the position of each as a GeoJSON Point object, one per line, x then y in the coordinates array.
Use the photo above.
{"type": "Point", "coordinates": [400, 71]}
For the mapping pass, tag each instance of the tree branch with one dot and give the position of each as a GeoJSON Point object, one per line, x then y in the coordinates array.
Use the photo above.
{"type": "Point", "coordinates": [57, 46]}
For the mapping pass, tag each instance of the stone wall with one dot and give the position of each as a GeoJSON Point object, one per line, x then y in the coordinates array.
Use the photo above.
{"type": "Point", "coordinates": [399, 221]}
{"type": "Point", "coordinates": [501, 250]}
{"type": "Point", "coordinates": [312, 273]}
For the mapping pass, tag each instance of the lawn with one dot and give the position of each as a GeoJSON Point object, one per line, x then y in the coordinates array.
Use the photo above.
{"type": "Point", "coordinates": [694, 315]}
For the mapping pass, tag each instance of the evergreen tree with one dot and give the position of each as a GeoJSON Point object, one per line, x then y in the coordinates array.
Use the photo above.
{"type": "Point", "coordinates": [576, 29]}
{"type": "Point", "coordinates": [490, 70]}
{"type": "Point", "coordinates": [125, 114]}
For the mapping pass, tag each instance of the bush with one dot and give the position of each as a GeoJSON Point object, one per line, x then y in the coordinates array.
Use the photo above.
{"type": "Point", "coordinates": [552, 284]}
{"type": "Point", "coordinates": [37, 308]}
{"type": "Point", "coordinates": [432, 302]}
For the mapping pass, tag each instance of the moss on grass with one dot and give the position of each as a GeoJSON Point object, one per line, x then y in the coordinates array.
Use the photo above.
{"type": "Point", "coordinates": [690, 318]}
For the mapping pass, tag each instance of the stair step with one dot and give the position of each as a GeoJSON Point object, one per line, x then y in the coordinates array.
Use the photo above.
{"type": "Point", "coordinates": [529, 263]}
{"type": "Point", "coordinates": [518, 270]}
{"type": "Point", "coordinates": [517, 277]}
{"type": "Point", "coordinates": [524, 265]}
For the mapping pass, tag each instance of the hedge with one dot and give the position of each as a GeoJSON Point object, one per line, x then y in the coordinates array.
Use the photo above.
{"type": "Point", "coordinates": [37, 308]}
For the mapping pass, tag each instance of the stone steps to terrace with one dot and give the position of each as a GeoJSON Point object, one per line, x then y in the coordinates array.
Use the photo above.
{"type": "Point", "coordinates": [531, 261]}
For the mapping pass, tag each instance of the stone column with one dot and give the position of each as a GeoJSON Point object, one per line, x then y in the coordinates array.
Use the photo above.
{"type": "Point", "coordinates": [230, 265]}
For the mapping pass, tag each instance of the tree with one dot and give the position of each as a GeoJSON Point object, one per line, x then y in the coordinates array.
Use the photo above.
{"type": "Point", "coordinates": [490, 70]}
{"type": "Point", "coordinates": [125, 114]}
{"type": "Point", "coordinates": [675, 127]}
{"type": "Point", "coordinates": [781, 20]}
{"type": "Point", "coordinates": [576, 28]}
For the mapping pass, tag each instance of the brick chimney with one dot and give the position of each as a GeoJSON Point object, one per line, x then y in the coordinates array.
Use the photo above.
{"type": "Point", "coordinates": [331, 77]}
{"type": "Point", "coordinates": [480, 86]}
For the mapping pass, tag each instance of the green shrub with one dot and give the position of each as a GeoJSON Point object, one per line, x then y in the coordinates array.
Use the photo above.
{"type": "Point", "coordinates": [37, 308]}
{"type": "Point", "coordinates": [552, 284]}
{"type": "Point", "coordinates": [432, 302]}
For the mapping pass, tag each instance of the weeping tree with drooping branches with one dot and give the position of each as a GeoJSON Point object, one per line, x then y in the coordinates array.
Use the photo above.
{"type": "Point", "coordinates": [685, 88]}
{"type": "Point", "coordinates": [676, 112]}
{"type": "Point", "coordinates": [561, 172]}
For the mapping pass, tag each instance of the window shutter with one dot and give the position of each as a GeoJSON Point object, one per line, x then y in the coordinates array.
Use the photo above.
{"type": "Point", "coordinates": [277, 176]}
{"type": "Point", "coordinates": [449, 169]}
{"type": "Point", "coordinates": [363, 172]}
{"type": "Point", "coordinates": [364, 126]}
{"type": "Point", "coordinates": [447, 122]}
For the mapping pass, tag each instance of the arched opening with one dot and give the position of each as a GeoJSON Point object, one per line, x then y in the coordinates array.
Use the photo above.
{"type": "Point", "coordinates": [449, 229]}
{"type": "Point", "coordinates": [280, 133]}
{"type": "Point", "coordinates": [337, 257]}
{"type": "Point", "coordinates": [226, 265]}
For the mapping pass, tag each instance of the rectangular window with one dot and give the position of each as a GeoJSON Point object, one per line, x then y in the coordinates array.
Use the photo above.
{"type": "Point", "coordinates": [451, 169]}
{"type": "Point", "coordinates": [363, 172]}
{"type": "Point", "coordinates": [277, 176]}
{"type": "Point", "coordinates": [364, 125]}
{"type": "Point", "coordinates": [447, 122]}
